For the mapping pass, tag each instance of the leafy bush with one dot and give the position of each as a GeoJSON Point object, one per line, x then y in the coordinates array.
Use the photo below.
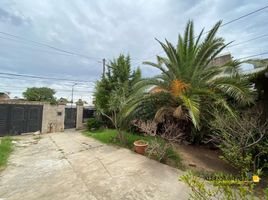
{"type": "Point", "coordinates": [221, 188]}
{"type": "Point", "coordinates": [93, 124]}
{"type": "Point", "coordinates": [242, 139]}
{"type": "Point", "coordinates": [40, 94]}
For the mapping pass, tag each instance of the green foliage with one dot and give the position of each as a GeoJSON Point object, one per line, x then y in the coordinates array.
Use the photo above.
{"type": "Point", "coordinates": [102, 95]}
{"type": "Point", "coordinates": [221, 188]}
{"type": "Point", "coordinates": [189, 80]}
{"type": "Point", "coordinates": [163, 152]}
{"type": "Point", "coordinates": [157, 150]}
{"type": "Point", "coordinates": [5, 150]}
{"type": "Point", "coordinates": [40, 94]}
{"type": "Point", "coordinates": [112, 91]}
{"type": "Point", "coordinates": [119, 77]}
{"type": "Point", "coordinates": [62, 100]}
{"type": "Point", "coordinates": [109, 136]}
{"type": "Point", "coordinates": [93, 124]}
{"type": "Point", "coordinates": [149, 105]}
{"type": "Point", "coordinates": [243, 139]}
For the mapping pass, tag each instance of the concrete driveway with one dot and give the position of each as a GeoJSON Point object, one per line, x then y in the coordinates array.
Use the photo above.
{"type": "Point", "coordinates": [71, 166]}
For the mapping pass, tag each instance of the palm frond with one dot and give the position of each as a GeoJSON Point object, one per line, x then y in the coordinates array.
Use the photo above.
{"type": "Point", "coordinates": [213, 31]}
{"type": "Point", "coordinates": [235, 87]}
{"type": "Point", "coordinates": [223, 103]}
{"type": "Point", "coordinates": [192, 104]}
{"type": "Point", "coordinates": [162, 112]}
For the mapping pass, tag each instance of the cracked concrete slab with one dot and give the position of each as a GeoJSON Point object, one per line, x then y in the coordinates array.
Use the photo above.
{"type": "Point", "coordinates": [72, 166]}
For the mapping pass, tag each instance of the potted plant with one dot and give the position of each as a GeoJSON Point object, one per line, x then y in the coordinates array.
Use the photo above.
{"type": "Point", "coordinates": [140, 146]}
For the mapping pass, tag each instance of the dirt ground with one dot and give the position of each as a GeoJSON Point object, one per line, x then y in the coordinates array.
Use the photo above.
{"type": "Point", "coordinates": [202, 158]}
{"type": "Point", "coordinates": [71, 166]}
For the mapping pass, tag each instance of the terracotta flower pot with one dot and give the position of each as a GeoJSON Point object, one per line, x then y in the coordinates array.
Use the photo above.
{"type": "Point", "coordinates": [140, 146]}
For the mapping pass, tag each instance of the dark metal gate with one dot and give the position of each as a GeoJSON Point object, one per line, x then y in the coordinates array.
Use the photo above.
{"type": "Point", "coordinates": [17, 119]}
{"type": "Point", "coordinates": [70, 118]}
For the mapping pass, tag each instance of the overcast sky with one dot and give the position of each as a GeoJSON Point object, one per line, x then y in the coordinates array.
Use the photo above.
{"type": "Point", "coordinates": [106, 28]}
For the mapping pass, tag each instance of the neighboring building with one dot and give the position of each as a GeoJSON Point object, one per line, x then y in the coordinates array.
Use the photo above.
{"type": "Point", "coordinates": [221, 60]}
{"type": "Point", "coordinates": [4, 96]}
{"type": "Point", "coordinates": [88, 112]}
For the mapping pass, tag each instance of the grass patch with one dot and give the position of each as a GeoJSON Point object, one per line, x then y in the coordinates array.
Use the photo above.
{"type": "Point", "coordinates": [5, 150]}
{"type": "Point", "coordinates": [109, 136]}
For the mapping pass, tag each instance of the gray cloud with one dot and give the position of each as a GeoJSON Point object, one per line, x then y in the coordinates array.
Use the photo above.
{"type": "Point", "coordinates": [104, 29]}
{"type": "Point", "coordinates": [13, 18]}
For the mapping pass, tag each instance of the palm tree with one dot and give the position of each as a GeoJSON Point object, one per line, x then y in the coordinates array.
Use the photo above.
{"type": "Point", "coordinates": [192, 85]}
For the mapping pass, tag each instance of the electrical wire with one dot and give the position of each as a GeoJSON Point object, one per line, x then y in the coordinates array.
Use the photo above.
{"type": "Point", "coordinates": [42, 77]}
{"type": "Point", "coordinates": [229, 22]}
{"type": "Point", "coordinates": [254, 55]}
{"type": "Point", "coordinates": [49, 46]}
{"type": "Point", "coordinates": [249, 40]}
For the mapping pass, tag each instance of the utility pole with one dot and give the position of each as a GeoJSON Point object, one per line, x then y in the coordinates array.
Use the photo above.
{"type": "Point", "coordinates": [103, 67]}
{"type": "Point", "coordinates": [73, 94]}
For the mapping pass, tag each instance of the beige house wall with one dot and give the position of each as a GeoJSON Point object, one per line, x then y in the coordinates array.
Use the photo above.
{"type": "Point", "coordinates": [220, 60]}
{"type": "Point", "coordinates": [53, 115]}
{"type": "Point", "coordinates": [79, 116]}
{"type": "Point", "coordinates": [53, 118]}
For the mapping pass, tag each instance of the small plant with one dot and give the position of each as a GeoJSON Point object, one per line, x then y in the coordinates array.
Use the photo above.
{"type": "Point", "coordinates": [141, 142]}
{"type": "Point", "coordinates": [221, 188]}
{"type": "Point", "coordinates": [157, 150]}
{"type": "Point", "coordinates": [161, 147]}
{"type": "Point", "coordinates": [93, 124]}
{"type": "Point", "coordinates": [5, 150]}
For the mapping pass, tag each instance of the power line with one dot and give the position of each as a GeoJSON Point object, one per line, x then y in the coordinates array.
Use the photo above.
{"type": "Point", "coordinates": [49, 46]}
{"type": "Point", "coordinates": [42, 77]}
{"type": "Point", "coordinates": [29, 45]}
{"type": "Point", "coordinates": [258, 37]}
{"type": "Point", "coordinates": [81, 85]}
{"type": "Point", "coordinates": [254, 55]}
{"type": "Point", "coordinates": [243, 16]}
{"type": "Point", "coordinates": [249, 40]}
{"type": "Point", "coordinates": [57, 90]}
{"type": "Point", "coordinates": [229, 22]}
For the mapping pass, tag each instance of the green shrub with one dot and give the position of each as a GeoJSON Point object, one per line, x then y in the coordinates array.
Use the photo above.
{"type": "Point", "coordinates": [222, 188]}
{"type": "Point", "coordinates": [93, 124]}
{"type": "Point", "coordinates": [242, 140]}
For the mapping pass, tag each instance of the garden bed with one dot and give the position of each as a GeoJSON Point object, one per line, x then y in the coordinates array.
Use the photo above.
{"type": "Point", "coordinates": [202, 158]}
{"type": "Point", "coordinates": [109, 136]}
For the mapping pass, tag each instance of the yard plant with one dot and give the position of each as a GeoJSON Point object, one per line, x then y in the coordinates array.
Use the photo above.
{"type": "Point", "coordinates": [40, 94]}
{"type": "Point", "coordinates": [243, 139]}
{"type": "Point", "coordinates": [190, 82]}
{"type": "Point", "coordinates": [222, 188]}
{"type": "Point", "coordinates": [113, 90]}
